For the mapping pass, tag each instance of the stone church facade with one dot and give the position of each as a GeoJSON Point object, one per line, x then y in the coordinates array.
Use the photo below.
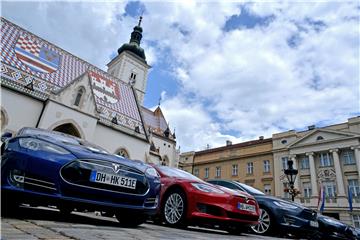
{"type": "Point", "coordinates": [46, 87]}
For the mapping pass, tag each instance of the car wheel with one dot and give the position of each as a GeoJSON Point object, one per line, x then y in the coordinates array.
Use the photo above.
{"type": "Point", "coordinates": [265, 224]}
{"type": "Point", "coordinates": [130, 219]}
{"type": "Point", "coordinates": [174, 208]}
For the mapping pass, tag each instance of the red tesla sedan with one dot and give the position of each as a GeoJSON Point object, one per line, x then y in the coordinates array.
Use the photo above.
{"type": "Point", "coordinates": [188, 200]}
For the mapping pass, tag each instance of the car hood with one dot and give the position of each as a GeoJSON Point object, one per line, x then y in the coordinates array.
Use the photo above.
{"type": "Point", "coordinates": [235, 192]}
{"type": "Point", "coordinates": [87, 152]}
{"type": "Point", "coordinates": [267, 198]}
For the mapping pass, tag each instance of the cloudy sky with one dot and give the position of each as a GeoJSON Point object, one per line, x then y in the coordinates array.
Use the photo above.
{"type": "Point", "coordinates": [224, 70]}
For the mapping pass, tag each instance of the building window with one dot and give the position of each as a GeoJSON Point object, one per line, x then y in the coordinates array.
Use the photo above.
{"type": "Point", "coordinates": [284, 141]}
{"type": "Point", "coordinates": [284, 162]}
{"type": "Point", "coordinates": [348, 157]}
{"type": "Point", "coordinates": [354, 187]}
{"type": "Point", "coordinates": [304, 162]}
{"type": "Point", "coordinates": [267, 189]}
{"type": "Point", "coordinates": [218, 172]}
{"type": "Point", "coordinates": [330, 189]}
{"type": "Point", "coordinates": [250, 168]}
{"type": "Point", "coordinates": [307, 190]}
{"type": "Point", "coordinates": [234, 170]}
{"type": "Point", "coordinates": [79, 95]}
{"type": "Point", "coordinates": [325, 159]}
{"type": "Point", "coordinates": [266, 166]}
{"type": "Point", "coordinates": [207, 172]}
{"type": "Point", "coordinates": [356, 220]}
{"type": "Point", "coordinates": [196, 172]}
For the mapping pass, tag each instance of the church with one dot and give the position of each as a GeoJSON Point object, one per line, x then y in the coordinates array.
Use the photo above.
{"type": "Point", "coordinates": [47, 87]}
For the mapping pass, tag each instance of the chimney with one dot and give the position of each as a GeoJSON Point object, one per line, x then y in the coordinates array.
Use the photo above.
{"type": "Point", "coordinates": [311, 127]}
{"type": "Point", "coordinates": [261, 138]}
{"type": "Point", "coordinates": [228, 143]}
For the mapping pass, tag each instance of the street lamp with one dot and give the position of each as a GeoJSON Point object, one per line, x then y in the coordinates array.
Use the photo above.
{"type": "Point", "coordinates": [291, 173]}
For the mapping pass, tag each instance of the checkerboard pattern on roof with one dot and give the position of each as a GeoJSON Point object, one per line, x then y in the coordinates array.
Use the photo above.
{"type": "Point", "coordinates": [70, 68]}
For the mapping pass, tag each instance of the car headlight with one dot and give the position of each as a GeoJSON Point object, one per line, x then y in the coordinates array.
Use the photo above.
{"type": "Point", "coordinates": [39, 145]}
{"type": "Point", "coordinates": [152, 172]}
{"type": "Point", "coordinates": [286, 205]}
{"type": "Point", "coordinates": [206, 188]}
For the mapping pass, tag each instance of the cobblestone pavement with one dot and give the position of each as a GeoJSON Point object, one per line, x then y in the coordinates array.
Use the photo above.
{"type": "Point", "coordinates": [48, 224]}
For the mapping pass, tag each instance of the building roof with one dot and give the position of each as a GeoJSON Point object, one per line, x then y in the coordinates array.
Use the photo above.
{"type": "Point", "coordinates": [27, 58]}
{"type": "Point", "coordinates": [155, 120]}
{"type": "Point", "coordinates": [237, 145]}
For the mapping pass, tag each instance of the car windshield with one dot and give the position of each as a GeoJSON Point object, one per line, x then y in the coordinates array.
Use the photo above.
{"type": "Point", "coordinates": [174, 172]}
{"type": "Point", "coordinates": [62, 137]}
{"type": "Point", "coordinates": [251, 190]}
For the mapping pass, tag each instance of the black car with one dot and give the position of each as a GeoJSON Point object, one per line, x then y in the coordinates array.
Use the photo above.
{"type": "Point", "coordinates": [332, 229]}
{"type": "Point", "coordinates": [277, 216]}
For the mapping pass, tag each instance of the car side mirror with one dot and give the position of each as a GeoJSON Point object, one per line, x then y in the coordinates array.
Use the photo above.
{"type": "Point", "coordinates": [6, 136]}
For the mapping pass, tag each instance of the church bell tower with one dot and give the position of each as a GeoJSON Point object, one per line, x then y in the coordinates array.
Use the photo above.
{"type": "Point", "coordinates": [130, 64]}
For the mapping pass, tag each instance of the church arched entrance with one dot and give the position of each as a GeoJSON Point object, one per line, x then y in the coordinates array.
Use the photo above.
{"type": "Point", "coordinates": [68, 128]}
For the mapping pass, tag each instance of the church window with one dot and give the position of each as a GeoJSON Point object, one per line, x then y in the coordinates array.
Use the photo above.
{"type": "Point", "coordinates": [122, 152]}
{"type": "Point", "coordinates": [132, 78]}
{"type": "Point", "coordinates": [3, 120]}
{"type": "Point", "coordinates": [320, 138]}
{"type": "Point", "coordinates": [79, 96]}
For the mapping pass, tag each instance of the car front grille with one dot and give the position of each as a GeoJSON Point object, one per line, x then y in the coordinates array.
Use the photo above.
{"type": "Point", "coordinates": [78, 173]}
{"type": "Point", "coordinates": [308, 214]}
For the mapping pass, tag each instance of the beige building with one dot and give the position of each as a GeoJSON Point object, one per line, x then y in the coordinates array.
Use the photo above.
{"type": "Point", "coordinates": [186, 161]}
{"type": "Point", "coordinates": [47, 87]}
{"type": "Point", "coordinates": [248, 162]}
{"type": "Point", "coordinates": [328, 158]}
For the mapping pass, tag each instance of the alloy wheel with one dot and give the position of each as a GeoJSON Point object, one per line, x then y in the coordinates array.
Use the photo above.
{"type": "Point", "coordinates": [174, 208]}
{"type": "Point", "coordinates": [264, 223]}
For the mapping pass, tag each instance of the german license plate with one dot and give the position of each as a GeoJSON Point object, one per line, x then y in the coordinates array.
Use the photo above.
{"type": "Point", "coordinates": [314, 224]}
{"type": "Point", "coordinates": [246, 207]}
{"type": "Point", "coordinates": [111, 179]}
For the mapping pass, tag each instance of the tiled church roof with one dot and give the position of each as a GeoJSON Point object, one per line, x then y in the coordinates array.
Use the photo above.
{"type": "Point", "coordinates": [155, 120]}
{"type": "Point", "coordinates": [26, 58]}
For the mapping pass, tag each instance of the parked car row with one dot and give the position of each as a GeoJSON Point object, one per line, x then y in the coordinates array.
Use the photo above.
{"type": "Point", "coordinates": [47, 168]}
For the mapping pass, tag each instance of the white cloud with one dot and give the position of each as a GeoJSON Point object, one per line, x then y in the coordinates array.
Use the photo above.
{"type": "Point", "coordinates": [251, 82]}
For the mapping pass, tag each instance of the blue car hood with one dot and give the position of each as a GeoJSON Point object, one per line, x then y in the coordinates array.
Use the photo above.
{"type": "Point", "coordinates": [85, 152]}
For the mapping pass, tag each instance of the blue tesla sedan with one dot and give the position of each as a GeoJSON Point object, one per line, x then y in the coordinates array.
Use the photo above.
{"type": "Point", "coordinates": [48, 168]}
{"type": "Point", "coordinates": [277, 216]}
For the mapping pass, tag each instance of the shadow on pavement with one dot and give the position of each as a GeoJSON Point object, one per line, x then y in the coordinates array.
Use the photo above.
{"type": "Point", "coordinates": [49, 214]}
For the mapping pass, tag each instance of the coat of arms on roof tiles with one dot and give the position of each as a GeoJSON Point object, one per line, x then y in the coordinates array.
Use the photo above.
{"type": "Point", "coordinates": [36, 56]}
{"type": "Point", "coordinates": [104, 88]}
